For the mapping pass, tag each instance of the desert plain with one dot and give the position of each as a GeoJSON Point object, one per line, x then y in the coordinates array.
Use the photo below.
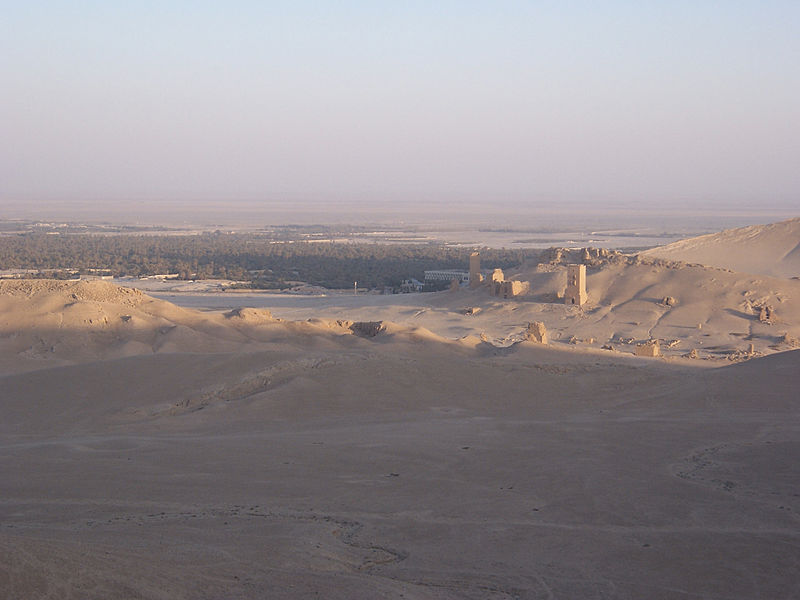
{"type": "Point", "coordinates": [412, 446]}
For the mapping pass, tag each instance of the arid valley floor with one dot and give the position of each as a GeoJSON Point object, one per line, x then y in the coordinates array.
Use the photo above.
{"type": "Point", "coordinates": [150, 450]}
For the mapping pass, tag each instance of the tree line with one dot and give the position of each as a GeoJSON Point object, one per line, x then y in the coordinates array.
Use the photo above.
{"type": "Point", "coordinates": [256, 259]}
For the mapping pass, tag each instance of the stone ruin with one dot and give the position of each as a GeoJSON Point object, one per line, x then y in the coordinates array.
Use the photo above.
{"type": "Point", "coordinates": [509, 289]}
{"type": "Point", "coordinates": [475, 277]}
{"type": "Point", "coordinates": [790, 340]}
{"type": "Point", "coordinates": [766, 315]}
{"type": "Point", "coordinates": [500, 287]}
{"type": "Point", "coordinates": [669, 301]}
{"type": "Point", "coordinates": [505, 288]}
{"type": "Point", "coordinates": [592, 257]}
{"type": "Point", "coordinates": [536, 332]}
{"type": "Point", "coordinates": [366, 328]}
{"type": "Point", "coordinates": [650, 349]}
{"type": "Point", "coordinates": [575, 294]}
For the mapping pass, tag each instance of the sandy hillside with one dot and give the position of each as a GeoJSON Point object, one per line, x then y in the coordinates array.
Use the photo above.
{"type": "Point", "coordinates": [255, 458]}
{"type": "Point", "coordinates": [711, 311]}
{"type": "Point", "coordinates": [44, 323]}
{"type": "Point", "coordinates": [772, 249]}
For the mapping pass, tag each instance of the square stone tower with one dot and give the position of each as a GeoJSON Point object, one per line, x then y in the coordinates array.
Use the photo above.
{"type": "Point", "coordinates": [576, 285]}
{"type": "Point", "coordinates": [475, 276]}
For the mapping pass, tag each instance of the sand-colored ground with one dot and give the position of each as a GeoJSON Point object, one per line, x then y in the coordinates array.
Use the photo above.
{"type": "Point", "coordinates": [772, 249]}
{"type": "Point", "coordinates": [152, 451]}
{"type": "Point", "coordinates": [715, 312]}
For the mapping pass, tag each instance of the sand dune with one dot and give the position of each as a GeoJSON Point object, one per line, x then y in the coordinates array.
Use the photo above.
{"type": "Point", "coordinates": [772, 250]}
{"type": "Point", "coordinates": [45, 323]}
{"type": "Point", "coordinates": [403, 447]}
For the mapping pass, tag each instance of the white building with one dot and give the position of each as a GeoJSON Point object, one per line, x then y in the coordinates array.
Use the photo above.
{"type": "Point", "coordinates": [447, 275]}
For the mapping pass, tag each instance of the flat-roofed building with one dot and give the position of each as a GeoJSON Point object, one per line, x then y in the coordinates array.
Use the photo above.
{"type": "Point", "coordinates": [447, 275]}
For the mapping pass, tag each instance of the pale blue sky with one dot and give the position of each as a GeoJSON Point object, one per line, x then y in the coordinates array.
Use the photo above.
{"type": "Point", "coordinates": [695, 102]}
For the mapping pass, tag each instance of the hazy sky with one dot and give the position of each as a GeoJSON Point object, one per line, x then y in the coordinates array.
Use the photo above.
{"type": "Point", "coordinates": [694, 101]}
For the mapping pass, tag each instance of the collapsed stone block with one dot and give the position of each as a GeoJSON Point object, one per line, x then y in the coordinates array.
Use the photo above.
{"type": "Point", "coordinates": [367, 328]}
{"type": "Point", "coordinates": [669, 301]}
{"type": "Point", "coordinates": [766, 315]}
{"type": "Point", "coordinates": [650, 349]}
{"type": "Point", "coordinates": [536, 332]}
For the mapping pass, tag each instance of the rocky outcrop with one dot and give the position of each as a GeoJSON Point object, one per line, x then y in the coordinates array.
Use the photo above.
{"type": "Point", "coordinates": [367, 329]}
{"type": "Point", "coordinates": [536, 332]}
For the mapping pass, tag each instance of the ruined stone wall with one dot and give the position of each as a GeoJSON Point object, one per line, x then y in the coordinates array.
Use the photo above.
{"type": "Point", "coordinates": [515, 288]}
{"type": "Point", "coordinates": [508, 289]}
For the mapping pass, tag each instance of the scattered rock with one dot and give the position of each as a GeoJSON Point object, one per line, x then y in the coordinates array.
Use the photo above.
{"type": "Point", "coordinates": [471, 310]}
{"type": "Point", "coordinates": [692, 354]}
{"type": "Point", "coordinates": [607, 347]}
{"type": "Point", "coordinates": [576, 340]}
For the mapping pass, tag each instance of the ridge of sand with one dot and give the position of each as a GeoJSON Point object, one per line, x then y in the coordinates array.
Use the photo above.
{"type": "Point", "coordinates": [772, 249]}
{"type": "Point", "coordinates": [45, 323]}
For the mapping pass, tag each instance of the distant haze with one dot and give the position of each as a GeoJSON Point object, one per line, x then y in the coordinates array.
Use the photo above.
{"type": "Point", "coordinates": [535, 104]}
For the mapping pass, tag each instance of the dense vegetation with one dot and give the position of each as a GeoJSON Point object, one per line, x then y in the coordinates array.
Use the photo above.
{"type": "Point", "coordinates": [254, 258]}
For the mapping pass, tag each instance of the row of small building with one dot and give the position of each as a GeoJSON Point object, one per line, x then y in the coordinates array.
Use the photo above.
{"type": "Point", "coordinates": [575, 293]}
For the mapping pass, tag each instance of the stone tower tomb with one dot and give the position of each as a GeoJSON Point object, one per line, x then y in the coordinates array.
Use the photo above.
{"type": "Point", "coordinates": [575, 293]}
{"type": "Point", "coordinates": [475, 276]}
